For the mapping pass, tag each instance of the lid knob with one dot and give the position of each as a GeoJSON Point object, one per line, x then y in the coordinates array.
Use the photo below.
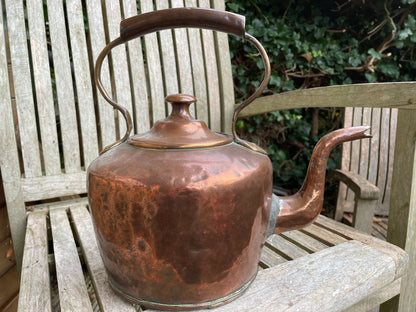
{"type": "Point", "coordinates": [180, 106]}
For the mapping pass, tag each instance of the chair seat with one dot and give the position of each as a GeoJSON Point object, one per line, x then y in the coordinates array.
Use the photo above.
{"type": "Point", "coordinates": [300, 270]}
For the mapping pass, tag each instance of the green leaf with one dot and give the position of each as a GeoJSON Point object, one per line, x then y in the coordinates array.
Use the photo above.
{"type": "Point", "coordinates": [375, 54]}
{"type": "Point", "coordinates": [239, 124]}
{"type": "Point", "coordinates": [371, 77]}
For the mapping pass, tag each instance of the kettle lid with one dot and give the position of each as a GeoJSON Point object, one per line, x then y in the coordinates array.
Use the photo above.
{"type": "Point", "coordinates": [180, 130]}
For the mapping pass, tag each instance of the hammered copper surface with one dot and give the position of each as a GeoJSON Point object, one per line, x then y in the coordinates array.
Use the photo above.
{"type": "Point", "coordinates": [180, 226]}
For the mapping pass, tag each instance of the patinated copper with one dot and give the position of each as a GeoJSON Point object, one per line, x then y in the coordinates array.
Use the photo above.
{"type": "Point", "coordinates": [180, 228]}
{"type": "Point", "coordinates": [180, 212]}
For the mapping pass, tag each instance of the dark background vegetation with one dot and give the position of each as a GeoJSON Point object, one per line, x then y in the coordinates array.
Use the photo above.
{"type": "Point", "coordinates": [315, 44]}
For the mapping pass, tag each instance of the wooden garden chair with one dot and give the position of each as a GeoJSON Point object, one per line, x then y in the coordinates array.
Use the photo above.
{"type": "Point", "coordinates": [53, 124]}
{"type": "Point", "coordinates": [373, 160]}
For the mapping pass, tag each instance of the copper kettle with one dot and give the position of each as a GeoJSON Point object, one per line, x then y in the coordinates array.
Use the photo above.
{"type": "Point", "coordinates": [181, 213]}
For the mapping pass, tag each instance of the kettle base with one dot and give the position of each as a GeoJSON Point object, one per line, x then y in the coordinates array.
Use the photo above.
{"type": "Point", "coordinates": [186, 306]}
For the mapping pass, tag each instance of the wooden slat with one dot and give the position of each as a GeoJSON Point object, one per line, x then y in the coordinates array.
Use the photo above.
{"type": "Point", "coordinates": [308, 283]}
{"type": "Point", "coordinates": [198, 69]}
{"type": "Point", "coordinates": [402, 215]}
{"type": "Point", "coordinates": [184, 58]}
{"type": "Point", "coordinates": [375, 145]}
{"type": "Point", "coordinates": [225, 74]}
{"type": "Point", "coordinates": [304, 240]}
{"type": "Point", "coordinates": [374, 300]}
{"type": "Point", "coordinates": [355, 149]}
{"type": "Point", "coordinates": [138, 75]}
{"type": "Point", "coordinates": [9, 159]}
{"type": "Point", "coordinates": [106, 297]}
{"type": "Point", "coordinates": [388, 94]}
{"type": "Point", "coordinates": [384, 206]}
{"type": "Point", "coordinates": [212, 75]}
{"type": "Point", "coordinates": [365, 144]}
{"type": "Point", "coordinates": [23, 88]}
{"type": "Point", "coordinates": [122, 92]}
{"type": "Point", "coordinates": [383, 150]}
{"type": "Point", "coordinates": [155, 76]}
{"type": "Point", "coordinates": [64, 87]}
{"type": "Point", "coordinates": [43, 88]}
{"type": "Point", "coordinates": [167, 53]}
{"type": "Point", "coordinates": [97, 39]}
{"type": "Point", "coordinates": [323, 235]}
{"type": "Point", "coordinates": [345, 165]}
{"type": "Point", "coordinates": [73, 293]}
{"type": "Point", "coordinates": [83, 80]}
{"type": "Point", "coordinates": [270, 258]}
{"type": "Point", "coordinates": [286, 247]}
{"type": "Point", "coordinates": [34, 285]}
{"type": "Point", "coordinates": [54, 186]}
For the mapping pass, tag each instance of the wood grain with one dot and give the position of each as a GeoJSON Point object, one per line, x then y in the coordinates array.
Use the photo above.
{"type": "Point", "coordinates": [154, 70]}
{"type": "Point", "coordinates": [54, 186]}
{"type": "Point", "coordinates": [64, 87]}
{"type": "Point", "coordinates": [82, 81]}
{"type": "Point", "coordinates": [107, 128]}
{"type": "Point", "coordinates": [9, 158]}
{"type": "Point", "coordinates": [23, 89]}
{"type": "Point", "coordinates": [73, 294]}
{"type": "Point", "coordinates": [390, 94]}
{"type": "Point", "coordinates": [35, 291]}
{"type": "Point", "coordinates": [43, 88]}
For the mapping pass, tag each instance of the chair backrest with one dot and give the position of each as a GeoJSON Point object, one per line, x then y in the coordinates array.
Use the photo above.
{"type": "Point", "coordinates": [54, 122]}
{"type": "Point", "coordinates": [373, 159]}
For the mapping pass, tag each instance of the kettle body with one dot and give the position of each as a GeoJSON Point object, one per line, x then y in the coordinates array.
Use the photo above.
{"type": "Point", "coordinates": [180, 228]}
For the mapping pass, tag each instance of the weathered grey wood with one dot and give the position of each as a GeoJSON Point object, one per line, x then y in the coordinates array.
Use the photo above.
{"type": "Point", "coordinates": [23, 88]}
{"type": "Point", "coordinates": [9, 159]}
{"type": "Point", "coordinates": [323, 235]}
{"type": "Point", "coordinates": [286, 247]}
{"type": "Point", "coordinates": [34, 294]}
{"type": "Point", "coordinates": [397, 254]}
{"type": "Point", "coordinates": [301, 239]}
{"type": "Point", "coordinates": [383, 150]}
{"type": "Point", "coordinates": [106, 297]}
{"type": "Point", "coordinates": [296, 285]}
{"type": "Point", "coordinates": [64, 87]}
{"type": "Point", "coordinates": [392, 94]}
{"type": "Point", "coordinates": [270, 258]}
{"type": "Point", "coordinates": [198, 69]}
{"type": "Point", "coordinates": [225, 74]}
{"type": "Point", "coordinates": [54, 186]}
{"type": "Point", "coordinates": [168, 55]}
{"type": "Point", "coordinates": [83, 81]}
{"type": "Point", "coordinates": [73, 293]}
{"type": "Point", "coordinates": [186, 84]}
{"type": "Point", "coordinates": [402, 214]}
{"type": "Point", "coordinates": [155, 77]}
{"type": "Point", "coordinates": [138, 75]}
{"type": "Point", "coordinates": [365, 197]}
{"type": "Point", "coordinates": [212, 75]}
{"type": "Point", "coordinates": [376, 298]}
{"type": "Point", "coordinates": [43, 88]}
{"type": "Point", "coordinates": [97, 38]}
{"type": "Point", "coordinates": [122, 92]}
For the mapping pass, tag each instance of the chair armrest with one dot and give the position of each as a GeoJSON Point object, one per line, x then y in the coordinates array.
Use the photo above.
{"type": "Point", "coordinates": [366, 196]}
{"type": "Point", "coordinates": [359, 185]}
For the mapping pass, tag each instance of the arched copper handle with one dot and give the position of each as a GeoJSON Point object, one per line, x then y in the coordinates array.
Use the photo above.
{"type": "Point", "coordinates": [174, 18]}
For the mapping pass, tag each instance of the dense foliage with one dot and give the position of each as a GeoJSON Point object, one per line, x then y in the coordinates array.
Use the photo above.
{"type": "Point", "coordinates": [313, 44]}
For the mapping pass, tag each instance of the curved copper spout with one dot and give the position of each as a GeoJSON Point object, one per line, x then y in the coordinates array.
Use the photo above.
{"type": "Point", "coordinates": [302, 208]}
